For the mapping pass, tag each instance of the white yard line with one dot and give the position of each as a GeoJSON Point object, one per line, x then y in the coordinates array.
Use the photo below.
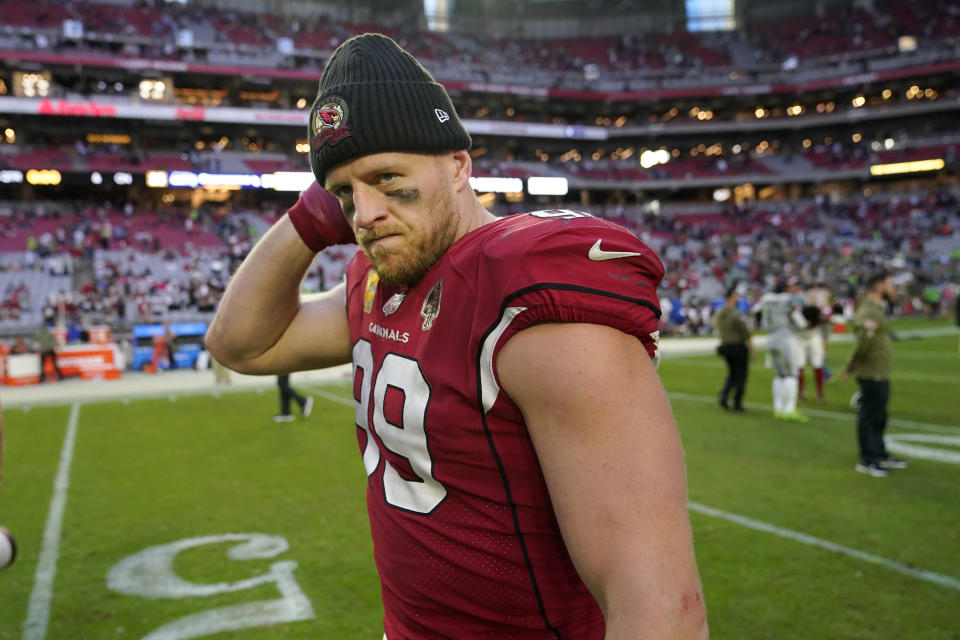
{"type": "Point", "coordinates": [833, 415]}
{"type": "Point", "coordinates": [38, 611]}
{"type": "Point", "coordinates": [921, 377]}
{"type": "Point", "coordinates": [924, 355]}
{"type": "Point", "coordinates": [332, 397]}
{"type": "Point", "coordinates": [796, 536]}
{"type": "Point", "coordinates": [920, 574]}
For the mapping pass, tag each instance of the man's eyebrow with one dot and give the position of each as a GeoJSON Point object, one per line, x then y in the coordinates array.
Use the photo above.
{"type": "Point", "coordinates": [393, 167]}
{"type": "Point", "coordinates": [371, 174]}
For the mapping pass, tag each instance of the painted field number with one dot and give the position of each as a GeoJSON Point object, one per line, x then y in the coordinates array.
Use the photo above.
{"type": "Point", "coordinates": [149, 574]}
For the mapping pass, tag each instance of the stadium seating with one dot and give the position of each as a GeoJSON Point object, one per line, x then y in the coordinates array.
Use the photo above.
{"type": "Point", "coordinates": [811, 40]}
{"type": "Point", "coordinates": [697, 237]}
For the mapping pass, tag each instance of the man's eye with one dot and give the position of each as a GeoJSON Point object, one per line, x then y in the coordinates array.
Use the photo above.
{"type": "Point", "coordinates": [387, 177]}
{"type": "Point", "coordinates": [342, 192]}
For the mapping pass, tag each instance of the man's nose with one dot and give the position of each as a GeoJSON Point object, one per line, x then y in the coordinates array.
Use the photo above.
{"type": "Point", "coordinates": [369, 207]}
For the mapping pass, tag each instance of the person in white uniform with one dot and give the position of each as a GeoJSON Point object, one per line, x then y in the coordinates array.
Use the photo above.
{"type": "Point", "coordinates": [783, 320]}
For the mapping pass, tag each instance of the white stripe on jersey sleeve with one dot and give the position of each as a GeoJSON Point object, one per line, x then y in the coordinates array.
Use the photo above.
{"type": "Point", "coordinates": [489, 389]}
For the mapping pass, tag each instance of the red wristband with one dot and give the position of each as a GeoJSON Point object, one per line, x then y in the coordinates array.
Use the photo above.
{"type": "Point", "coordinates": [318, 219]}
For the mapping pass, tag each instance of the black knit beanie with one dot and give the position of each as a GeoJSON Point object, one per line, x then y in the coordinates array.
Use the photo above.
{"type": "Point", "coordinates": [376, 97]}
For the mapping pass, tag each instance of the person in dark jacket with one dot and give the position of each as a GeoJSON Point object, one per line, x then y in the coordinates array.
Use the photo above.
{"type": "Point", "coordinates": [735, 347]}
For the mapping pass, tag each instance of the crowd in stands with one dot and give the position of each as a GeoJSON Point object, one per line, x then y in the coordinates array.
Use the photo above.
{"type": "Point", "coordinates": [150, 29]}
{"type": "Point", "coordinates": [139, 278]}
{"type": "Point", "coordinates": [833, 244]}
{"type": "Point", "coordinates": [121, 265]}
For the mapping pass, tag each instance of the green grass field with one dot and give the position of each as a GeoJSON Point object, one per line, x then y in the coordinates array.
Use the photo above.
{"type": "Point", "coordinates": [881, 559]}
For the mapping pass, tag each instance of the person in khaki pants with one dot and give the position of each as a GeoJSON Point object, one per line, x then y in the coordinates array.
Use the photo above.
{"type": "Point", "coordinates": [870, 362]}
{"type": "Point", "coordinates": [735, 347]}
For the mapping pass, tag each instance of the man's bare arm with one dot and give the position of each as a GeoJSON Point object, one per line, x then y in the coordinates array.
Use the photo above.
{"type": "Point", "coordinates": [263, 327]}
{"type": "Point", "coordinates": [611, 455]}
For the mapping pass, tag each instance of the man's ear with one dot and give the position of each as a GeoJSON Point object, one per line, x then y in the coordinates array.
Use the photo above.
{"type": "Point", "coordinates": [462, 167]}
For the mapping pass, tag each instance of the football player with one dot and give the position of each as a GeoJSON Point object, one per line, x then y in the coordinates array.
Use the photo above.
{"type": "Point", "coordinates": [817, 311]}
{"type": "Point", "coordinates": [525, 473]}
{"type": "Point", "coordinates": [782, 317]}
{"type": "Point", "coordinates": [810, 350]}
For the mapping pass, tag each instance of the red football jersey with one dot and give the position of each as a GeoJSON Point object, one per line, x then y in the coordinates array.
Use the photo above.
{"type": "Point", "coordinates": [465, 538]}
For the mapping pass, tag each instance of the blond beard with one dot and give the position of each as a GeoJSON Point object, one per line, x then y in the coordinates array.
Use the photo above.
{"type": "Point", "coordinates": [408, 267]}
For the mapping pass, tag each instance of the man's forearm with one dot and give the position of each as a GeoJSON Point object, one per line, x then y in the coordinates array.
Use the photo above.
{"type": "Point", "coordinates": [262, 297]}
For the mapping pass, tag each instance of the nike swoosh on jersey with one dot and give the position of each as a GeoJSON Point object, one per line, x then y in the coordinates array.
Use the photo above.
{"type": "Point", "coordinates": [597, 254]}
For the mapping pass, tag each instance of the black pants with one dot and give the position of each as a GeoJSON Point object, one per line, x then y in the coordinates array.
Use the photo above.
{"type": "Point", "coordinates": [53, 358]}
{"type": "Point", "coordinates": [737, 358]}
{"type": "Point", "coordinates": [288, 393]}
{"type": "Point", "coordinates": [872, 419]}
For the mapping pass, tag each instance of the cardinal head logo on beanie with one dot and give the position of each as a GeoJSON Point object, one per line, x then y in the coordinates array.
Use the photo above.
{"type": "Point", "coordinates": [376, 97]}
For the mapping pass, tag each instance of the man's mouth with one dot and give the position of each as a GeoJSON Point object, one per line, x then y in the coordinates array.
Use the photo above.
{"type": "Point", "coordinates": [379, 240]}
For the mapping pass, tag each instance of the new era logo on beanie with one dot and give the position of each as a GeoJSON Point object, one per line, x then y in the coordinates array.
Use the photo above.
{"type": "Point", "coordinates": [375, 97]}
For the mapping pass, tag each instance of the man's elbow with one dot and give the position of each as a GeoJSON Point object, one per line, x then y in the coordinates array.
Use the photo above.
{"type": "Point", "coordinates": [218, 344]}
{"type": "Point", "coordinates": [689, 618]}
{"type": "Point", "coordinates": [692, 622]}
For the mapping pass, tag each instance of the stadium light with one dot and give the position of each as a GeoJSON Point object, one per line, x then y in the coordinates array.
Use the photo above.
{"type": "Point", "coordinates": [31, 85]}
{"type": "Point", "coordinates": [650, 159]}
{"type": "Point", "coordinates": [234, 180]}
{"type": "Point", "coordinates": [287, 180]}
{"type": "Point", "coordinates": [11, 176]}
{"type": "Point", "coordinates": [96, 178]}
{"type": "Point", "coordinates": [183, 179]}
{"type": "Point", "coordinates": [153, 90]}
{"type": "Point", "coordinates": [157, 179]}
{"type": "Point", "coordinates": [46, 177]}
{"type": "Point", "coordinates": [547, 186]}
{"type": "Point", "coordinates": [907, 167]}
{"type": "Point", "coordinates": [906, 44]}
{"type": "Point", "coordinates": [122, 178]}
{"type": "Point", "coordinates": [497, 185]}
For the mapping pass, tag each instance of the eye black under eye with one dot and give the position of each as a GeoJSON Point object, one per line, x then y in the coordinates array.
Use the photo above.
{"type": "Point", "coordinates": [405, 196]}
